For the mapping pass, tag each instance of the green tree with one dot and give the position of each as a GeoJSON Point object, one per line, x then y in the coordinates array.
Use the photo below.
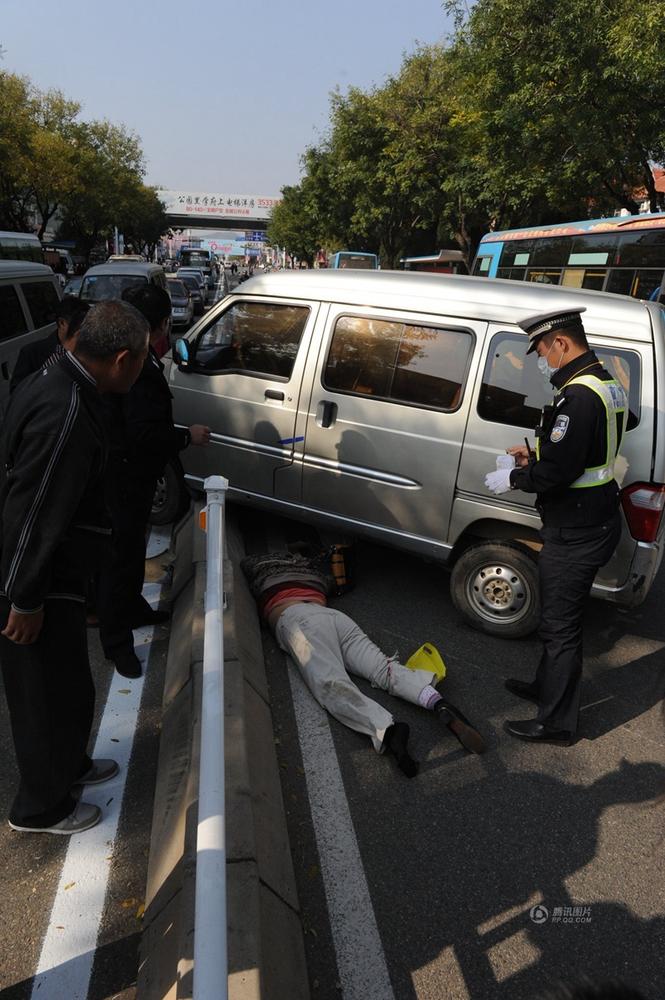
{"type": "Point", "coordinates": [564, 102]}
{"type": "Point", "coordinates": [17, 110]}
{"type": "Point", "coordinates": [52, 172]}
{"type": "Point", "coordinates": [142, 218]}
{"type": "Point", "coordinates": [111, 161]}
{"type": "Point", "coordinates": [291, 225]}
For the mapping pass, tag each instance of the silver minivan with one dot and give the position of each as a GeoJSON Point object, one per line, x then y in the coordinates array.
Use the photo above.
{"type": "Point", "coordinates": [374, 403]}
{"type": "Point", "coordinates": [109, 281]}
{"type": "Point", "coordinates": [29, 296]}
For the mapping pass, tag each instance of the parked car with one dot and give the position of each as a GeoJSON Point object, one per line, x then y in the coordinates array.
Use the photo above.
{"type": "Point", "coordinates": [73, 286]}
{"type": "Point", "coordinates": [375, 403]}
{"type": "Point", "coordinates": [197, 273]}
{"type": "Point", "coordinates": [29, 297]}
{"type": "Point", "coordinates": [182, 311]}
{"type": "Point", "coordinates": [194, 286]}
{"type": "Point", "coordinates": [108, 281]}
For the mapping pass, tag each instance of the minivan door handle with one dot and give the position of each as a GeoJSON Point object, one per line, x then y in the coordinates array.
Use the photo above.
{"type": "Point", "coordinates": [274, 394]}
{"type": "Point", "coordinates": [327, 413]}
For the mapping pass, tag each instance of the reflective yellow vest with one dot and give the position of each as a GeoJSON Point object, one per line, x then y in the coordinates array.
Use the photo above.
{"type": "Point", "coordinates": [613, 399]}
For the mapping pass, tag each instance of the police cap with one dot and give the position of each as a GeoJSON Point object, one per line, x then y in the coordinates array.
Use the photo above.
{"type": "Point", "coordinates": [538, 326]}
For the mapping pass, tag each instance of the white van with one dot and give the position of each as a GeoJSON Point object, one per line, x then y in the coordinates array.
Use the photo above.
{"type": "Point", "coordinates": [375, 402]}
{"type": "Point", "coordinates": [29, 296]}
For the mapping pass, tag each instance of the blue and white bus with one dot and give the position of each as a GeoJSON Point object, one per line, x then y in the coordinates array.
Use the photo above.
{"type": "Point", "coordinates": [355, 259]}
{"type": "Point", "coordinates": [623, 254]}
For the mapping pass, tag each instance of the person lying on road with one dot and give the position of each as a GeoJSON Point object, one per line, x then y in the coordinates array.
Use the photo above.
{"type": "Point", "coordinates": [291, 591]}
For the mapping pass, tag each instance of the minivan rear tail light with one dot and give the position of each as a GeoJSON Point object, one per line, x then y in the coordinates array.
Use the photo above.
{"type": "Point", "coordinates": [643, 505]}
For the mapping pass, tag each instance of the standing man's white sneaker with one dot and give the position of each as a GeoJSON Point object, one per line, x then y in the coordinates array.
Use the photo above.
{"type": "Point", "coordinates": [84, 816]}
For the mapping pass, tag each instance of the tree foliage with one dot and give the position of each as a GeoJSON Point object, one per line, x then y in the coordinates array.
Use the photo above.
{"type": "Point", "coordinates": [528, 115]}
{"type": "Point", "coordinates": [87, 174]}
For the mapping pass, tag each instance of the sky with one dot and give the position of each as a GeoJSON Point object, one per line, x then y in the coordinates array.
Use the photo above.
{"type": "Point", "coordinates": [225, 96]}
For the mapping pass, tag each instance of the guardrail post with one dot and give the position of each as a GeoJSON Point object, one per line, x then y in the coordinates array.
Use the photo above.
{"type": "Point", "coordinates": [210, 945]}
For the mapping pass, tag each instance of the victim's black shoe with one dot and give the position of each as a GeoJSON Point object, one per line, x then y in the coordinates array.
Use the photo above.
{"type": "Point", "coordinates": [537, 732]}
{"type": "Point", "coordinates": [396, 742]}
{"type": "Point", "coordinates": [128, 664]}
{"type": "Point", "coordinates": [460, 727]}
{"type": "Point", "coordinates": [522, 689]}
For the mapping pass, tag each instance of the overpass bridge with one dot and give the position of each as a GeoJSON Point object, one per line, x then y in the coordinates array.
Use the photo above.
{"type": "Point", "coordinates": [217, 210]}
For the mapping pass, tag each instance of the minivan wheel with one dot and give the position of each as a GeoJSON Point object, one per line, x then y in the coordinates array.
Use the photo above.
{"type": "Point", "coordinates": [170, 497]}
{"type": "Point", "coordinates": [494, 585]}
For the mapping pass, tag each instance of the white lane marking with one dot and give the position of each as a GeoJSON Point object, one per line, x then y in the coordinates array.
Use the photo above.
{"type": "Point", "coordinates": [68, 950]}
{"type": "Point", "coordinates": [361, 961]}
{"type": "Point", "coordinates": [159, 541]}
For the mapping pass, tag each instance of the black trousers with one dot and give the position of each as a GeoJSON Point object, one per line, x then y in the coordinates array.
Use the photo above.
{"type": "Point", "coordinates": [567, 565]}
{"type": "Point", "coordinates": [51, 699]}
{"type": "Point", "coordinates": [119, 598]}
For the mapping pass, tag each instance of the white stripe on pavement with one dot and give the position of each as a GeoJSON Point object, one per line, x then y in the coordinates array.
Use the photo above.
{"type": "Point", "coordinates": [68, 950]}
{"type": "Point", "coordinates": [361, 961]}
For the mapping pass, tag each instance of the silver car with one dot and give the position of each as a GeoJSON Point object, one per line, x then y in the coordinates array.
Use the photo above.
{"type": "Point", "coordinates": [374, 403]}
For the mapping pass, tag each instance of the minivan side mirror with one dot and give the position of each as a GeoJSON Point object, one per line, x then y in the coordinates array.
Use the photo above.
{"type": "Point", "coordinates": [182, 353]}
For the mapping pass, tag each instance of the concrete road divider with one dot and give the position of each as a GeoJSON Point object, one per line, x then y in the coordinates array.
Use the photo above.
{"type": "Point", "coordinates": [266, 954]}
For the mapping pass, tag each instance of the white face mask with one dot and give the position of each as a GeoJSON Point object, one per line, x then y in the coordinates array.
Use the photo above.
{"type": "Point", "coordinates": [544, 368]}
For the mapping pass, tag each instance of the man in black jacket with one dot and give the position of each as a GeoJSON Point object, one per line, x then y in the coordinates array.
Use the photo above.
{"type": "Point", "coordinates": [143, 439]}
{"type": "Point", "coordinates": [577, 497]}
{"type": "Point", "coordinates": [52, 525]}
{"type": "Point", "coordinates": [68, 317]}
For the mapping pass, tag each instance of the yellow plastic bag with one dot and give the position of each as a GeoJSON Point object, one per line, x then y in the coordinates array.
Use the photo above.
{"type": "Point", "coordinates": [427, 658]}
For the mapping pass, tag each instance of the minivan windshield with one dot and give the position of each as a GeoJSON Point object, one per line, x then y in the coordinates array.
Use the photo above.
{"type": "Point", "coordinates": [97, 287]}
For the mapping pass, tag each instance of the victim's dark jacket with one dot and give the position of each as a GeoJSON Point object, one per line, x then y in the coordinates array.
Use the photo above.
{"type": "Point", "coordinates": [53, 521]}
{"type": "Point", "coordinates": [563, 458]}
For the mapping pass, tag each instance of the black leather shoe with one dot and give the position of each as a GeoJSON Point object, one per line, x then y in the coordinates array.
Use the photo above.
{"type": "Point", "coordinates": [460, 727]}
{"type": "Point", "coordinates": [128, 664]}
{"type": "Point", "coordinates": [522, 689]}
{"type": "Point", "coordinates": [149, 617]}
{"type": "Point", "coordinates": [536, 732]}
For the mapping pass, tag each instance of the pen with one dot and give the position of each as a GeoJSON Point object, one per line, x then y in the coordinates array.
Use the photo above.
{"type": "Point", "coordinates": [528, 448]}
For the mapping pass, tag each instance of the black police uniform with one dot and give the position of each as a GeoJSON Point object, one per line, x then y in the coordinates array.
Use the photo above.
{"type": "Point", "coordinates": [581, 528]}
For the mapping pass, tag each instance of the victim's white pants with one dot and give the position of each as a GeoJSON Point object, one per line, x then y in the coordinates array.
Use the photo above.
{"type": "Point", "coordinates": [324, 644]}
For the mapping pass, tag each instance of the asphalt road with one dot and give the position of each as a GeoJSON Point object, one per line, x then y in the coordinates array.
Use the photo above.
{"type": "Point", "coordinates": [455, 860]}
{"type": "Point", "coordinates": [32, 863]}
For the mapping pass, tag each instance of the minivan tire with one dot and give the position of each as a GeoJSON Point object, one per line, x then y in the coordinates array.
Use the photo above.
{"type": "Point", "coordinates": [171, 497]}
{"type": "Point", "coordinates": [494, 585]}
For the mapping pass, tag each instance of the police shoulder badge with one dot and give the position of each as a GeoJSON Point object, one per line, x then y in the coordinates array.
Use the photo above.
{"type": "Point", "coordinates": [560, 428]}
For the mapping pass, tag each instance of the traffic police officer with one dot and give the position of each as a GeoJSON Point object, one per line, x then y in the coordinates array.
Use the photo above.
{"type": "Point", "coordinates": [572, 475]}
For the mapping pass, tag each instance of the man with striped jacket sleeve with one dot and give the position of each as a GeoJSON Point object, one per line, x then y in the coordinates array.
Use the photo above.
{"type": "Point", "coordinates": [53, 526]}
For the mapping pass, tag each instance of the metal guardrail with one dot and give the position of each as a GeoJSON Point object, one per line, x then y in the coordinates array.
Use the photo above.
{"type": "Point", "coordinates": [210, 946]}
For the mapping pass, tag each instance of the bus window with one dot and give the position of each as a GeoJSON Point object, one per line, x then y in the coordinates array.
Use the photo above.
{"type": "Point", "coordinates": [622, 254]}
{"type": "Point", "coordinates": [355, 259]}
{"type": "Point", "coordinates": [20, 246]}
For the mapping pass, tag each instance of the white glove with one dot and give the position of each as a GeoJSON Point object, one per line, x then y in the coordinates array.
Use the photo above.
{"type": "Point", "coordinates": [499, 481]}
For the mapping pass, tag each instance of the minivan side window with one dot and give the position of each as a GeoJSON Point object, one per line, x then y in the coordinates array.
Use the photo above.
{"type": "Point", "coordinates": [12, 320]}
{"type": "Point", "coordinates": [398, 362]}
{"type": "Point", "coordinates": [42, 300]}
{"type": "Point", "coordinates": [259, 338]}
{"type": "Point", "coordinates": [514, 392]}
